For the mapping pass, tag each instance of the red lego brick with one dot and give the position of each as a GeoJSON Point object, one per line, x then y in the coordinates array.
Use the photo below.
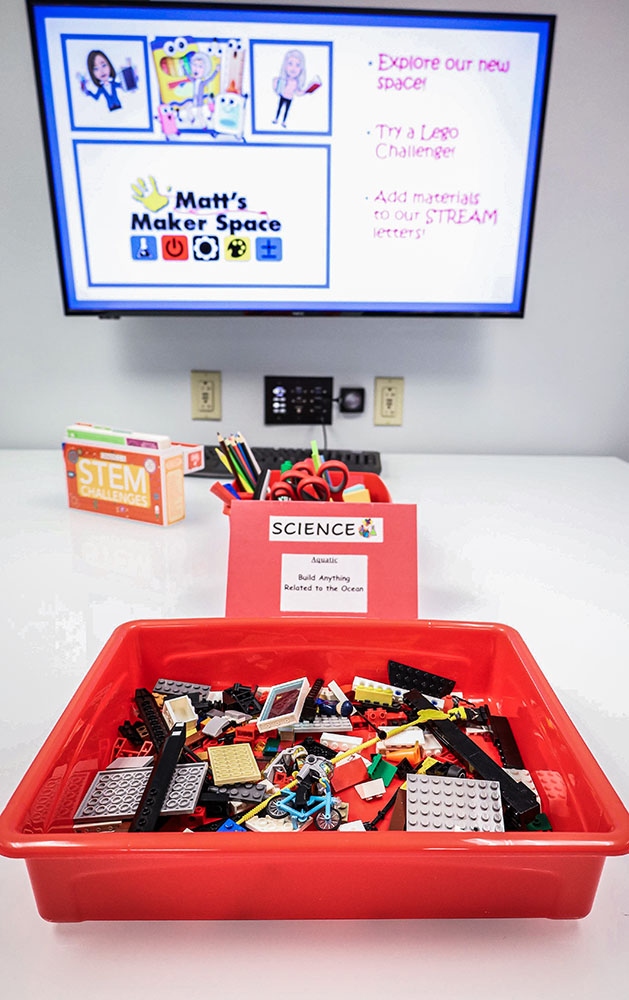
{"type": "Point", "coordinates": [246, 734]}
{"type": "Point", "coordinates": [349, 773]}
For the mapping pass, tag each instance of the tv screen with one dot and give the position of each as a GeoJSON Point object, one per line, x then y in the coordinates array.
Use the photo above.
{"type": "Point", "coordinates": [236, 159]}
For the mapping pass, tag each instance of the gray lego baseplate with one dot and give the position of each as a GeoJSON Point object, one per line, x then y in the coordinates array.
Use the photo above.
{"type": "Point", "coordinates": [115, 795]}
{"type": "Point", "coordinates": [455, 804]}
{"type": "Point", "coordinates": [172, 689]}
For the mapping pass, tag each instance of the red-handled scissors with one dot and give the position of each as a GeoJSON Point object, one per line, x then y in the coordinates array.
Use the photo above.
{"type": "Point", "coordinates": [298, 484]}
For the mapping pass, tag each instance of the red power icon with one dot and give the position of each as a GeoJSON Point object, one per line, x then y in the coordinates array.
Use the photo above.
{"type": "Point", "coordinates": [175, 247]}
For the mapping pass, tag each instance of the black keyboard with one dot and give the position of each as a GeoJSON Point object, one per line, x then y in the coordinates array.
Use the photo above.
{"type": "Point", "coordinates": [272, 458]}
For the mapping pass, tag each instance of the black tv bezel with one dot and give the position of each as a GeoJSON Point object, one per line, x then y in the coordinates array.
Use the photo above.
{"type": "Point", "coordinates": [549, 19]}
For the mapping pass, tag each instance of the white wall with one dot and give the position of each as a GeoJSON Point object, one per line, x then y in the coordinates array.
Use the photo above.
{"type": "Point", "coordinates": [555, 382]}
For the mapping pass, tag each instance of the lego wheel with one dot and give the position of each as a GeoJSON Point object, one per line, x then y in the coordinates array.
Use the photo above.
{"type": "Point", "coordinates": [332, 823]}
{"type": "Point", "coordinates": [275, 810]}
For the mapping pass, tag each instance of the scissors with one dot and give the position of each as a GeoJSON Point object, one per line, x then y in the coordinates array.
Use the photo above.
{"type": "Point", "coordinates": [300, 483]}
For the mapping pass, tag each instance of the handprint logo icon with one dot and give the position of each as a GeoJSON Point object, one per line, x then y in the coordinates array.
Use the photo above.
{"type": "Point", "coordinates": [148, 195]}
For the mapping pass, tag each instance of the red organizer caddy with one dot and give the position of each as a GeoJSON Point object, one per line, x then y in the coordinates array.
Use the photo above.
{"type": "Point", "coordinates": [377, 489]}
{"type": "Point", "coordinates": [122, 876]}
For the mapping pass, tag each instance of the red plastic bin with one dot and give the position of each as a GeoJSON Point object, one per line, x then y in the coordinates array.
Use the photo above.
{"type": "Point", "coordinates": [82, 876]}
{"type": "Point", "coordinates": [376, 486]}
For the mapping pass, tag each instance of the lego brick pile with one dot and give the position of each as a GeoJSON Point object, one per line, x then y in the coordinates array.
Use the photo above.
{"type": "Point", "coordinates": [411, 755]}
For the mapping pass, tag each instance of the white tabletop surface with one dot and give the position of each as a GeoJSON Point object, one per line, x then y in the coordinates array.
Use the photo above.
{"type": "Point", "coordinates": [541, 544]}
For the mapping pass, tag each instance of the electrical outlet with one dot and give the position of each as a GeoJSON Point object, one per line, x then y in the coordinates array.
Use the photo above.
{"type": "Point", "coordinates": [205, 390]}
{"type": "Point", "coordinates": [388, 401]}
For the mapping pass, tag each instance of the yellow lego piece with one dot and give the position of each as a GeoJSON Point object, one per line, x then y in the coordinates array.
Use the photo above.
{"type": "Point", "coordinates": [233, 765]}
{"type": "Point", "coordinates": [378, 697]}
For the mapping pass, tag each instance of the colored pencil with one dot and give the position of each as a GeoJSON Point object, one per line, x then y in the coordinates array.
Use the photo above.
{"type": "Point", "coordinates": [253, 462]}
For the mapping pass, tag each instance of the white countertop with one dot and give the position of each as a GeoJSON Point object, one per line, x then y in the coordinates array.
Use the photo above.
{"type": "Point", "coordinates": [541, 544]}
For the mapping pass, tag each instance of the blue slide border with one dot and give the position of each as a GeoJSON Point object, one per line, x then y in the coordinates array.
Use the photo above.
{"type": "Point", "coordinates": [195, 284]}
{"type": "Point", "coordinates": [287, 43]}
{"type": "Point", "coordinates": [542, 28]}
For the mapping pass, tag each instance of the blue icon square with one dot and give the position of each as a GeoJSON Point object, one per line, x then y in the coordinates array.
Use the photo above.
{"type": "Point", "coordinates": [268, 248]}
{"type": "Point", "coordinates": [143, 248]}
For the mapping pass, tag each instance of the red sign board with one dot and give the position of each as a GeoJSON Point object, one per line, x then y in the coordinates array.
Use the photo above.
{"type": "Point", "coordinates": [323, 559]}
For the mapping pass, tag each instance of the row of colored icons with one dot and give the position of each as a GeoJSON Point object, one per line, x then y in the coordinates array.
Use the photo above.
{"type": "Point", "coordinates": [206, 248]}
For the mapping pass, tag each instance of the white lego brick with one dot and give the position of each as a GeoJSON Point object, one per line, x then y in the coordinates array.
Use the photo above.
{"type": "Point", "coordinates": [431, 744]}
{"type": "Point", "coordinates": [240, 718]}
{"type": "Point", "coordinates": [519, 774]}
{"type": "Point", "coordinates": [409, 738]}
{"type": "Point", "coordinates": [337, 692]}
{"type": "Point", "coordinates": [340, 741]}
{"type": "Point", "coordinates": [177, 710]}
{"type": "Point", "coordinates": [357, 826]}
{"type": "Point", "coordinates": [371, 789]}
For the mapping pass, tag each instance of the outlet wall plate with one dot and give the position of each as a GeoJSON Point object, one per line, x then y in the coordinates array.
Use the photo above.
{"type": "Point", "coordinates": [388, 401]}
{"type": "Point", "coordinates": [205, 395]}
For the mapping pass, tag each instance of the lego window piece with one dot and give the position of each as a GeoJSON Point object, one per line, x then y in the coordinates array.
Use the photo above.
{"type": "Point", "coordinates": [283, 705]}
{"type": "Point", "coordinates": [455, 804]}
{"type": "Point", "coordinates": [233, 765]}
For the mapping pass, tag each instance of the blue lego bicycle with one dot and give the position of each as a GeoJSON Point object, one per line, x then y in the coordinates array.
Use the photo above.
{"type": "Point", "coordinates": [300, 804]}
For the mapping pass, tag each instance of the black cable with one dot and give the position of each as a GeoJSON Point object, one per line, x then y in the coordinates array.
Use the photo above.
{"type": "Point", "coordinates": [325, 441]}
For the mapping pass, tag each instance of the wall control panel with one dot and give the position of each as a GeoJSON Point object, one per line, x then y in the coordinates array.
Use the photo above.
{"type": "Point", "coordinates": [290, 399]}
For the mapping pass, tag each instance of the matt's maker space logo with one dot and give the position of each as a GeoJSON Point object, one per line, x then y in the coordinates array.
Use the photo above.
{"type": "Point", "coordinates": [330, 529]}
{"type": "Point", "coordinates": [223, 212]}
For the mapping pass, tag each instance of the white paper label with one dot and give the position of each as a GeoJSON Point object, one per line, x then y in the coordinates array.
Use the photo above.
{"type": "Point", "coordinates": [322, 529]}
{"type": "Point", "coordinates": [323, 583]}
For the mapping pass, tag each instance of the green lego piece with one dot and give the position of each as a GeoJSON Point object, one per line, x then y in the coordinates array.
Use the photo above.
{"type": "Point", "coordinates": [380, 768]}
{"type": "Point", "coordinates": [271, 748]}
{"type": "Point", "coordinates": [541, 822]}
{"type": "Point", "coordinates": [285, 466]}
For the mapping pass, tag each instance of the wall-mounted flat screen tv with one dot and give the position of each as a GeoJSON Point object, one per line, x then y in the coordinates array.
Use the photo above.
{"type": "Point", "coordinates": [309, 160]}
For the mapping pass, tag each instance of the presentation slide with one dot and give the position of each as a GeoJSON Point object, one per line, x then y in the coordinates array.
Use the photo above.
{"type": "Point", "coordinates": [226, 159]}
